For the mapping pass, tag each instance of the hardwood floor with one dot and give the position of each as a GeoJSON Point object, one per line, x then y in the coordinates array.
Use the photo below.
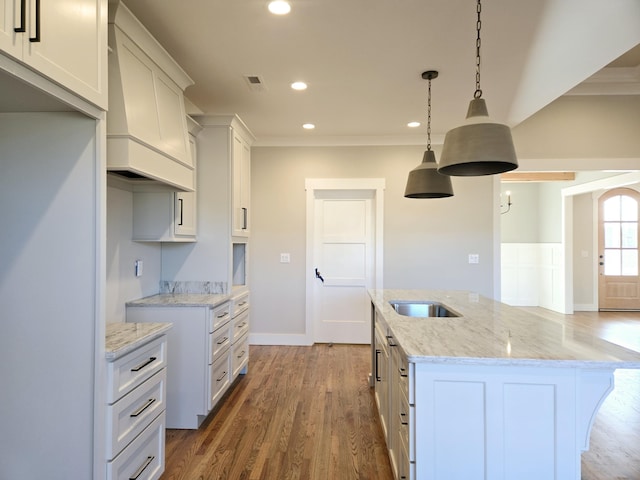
{"type": "Point", "coordinates": [300, 413]}
{"type": "Point", "coordinates": [308, 413]}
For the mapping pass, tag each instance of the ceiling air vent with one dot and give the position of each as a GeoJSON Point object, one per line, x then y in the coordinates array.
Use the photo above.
{"type": "Point", "coordinates": [255, 82]}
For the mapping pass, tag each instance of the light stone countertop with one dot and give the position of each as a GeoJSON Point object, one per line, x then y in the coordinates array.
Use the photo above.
{"type": "Point", "coordinates": [181, 300]}
{"type": "Point", "coordinates": [492, 333]}
{"type": "Point", "coordinates": [122, 338]}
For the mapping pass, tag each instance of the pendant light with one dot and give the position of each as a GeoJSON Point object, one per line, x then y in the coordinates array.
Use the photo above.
{"type": "Point", "coordinates": [479, 146]}
{"type": "Point", "coordinates": [424, 181]}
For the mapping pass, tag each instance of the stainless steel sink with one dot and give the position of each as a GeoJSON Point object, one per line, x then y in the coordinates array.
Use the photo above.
{"type": "Point", "coordinates": [424, 308]}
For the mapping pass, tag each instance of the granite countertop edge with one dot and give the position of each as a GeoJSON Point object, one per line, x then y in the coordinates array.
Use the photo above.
{"type": "Point", "coordinates": [122, 338]}
{"type": "Point", "coordinates": [181, 300]}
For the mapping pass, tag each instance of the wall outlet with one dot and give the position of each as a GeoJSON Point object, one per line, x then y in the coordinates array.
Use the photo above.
{"type": "Point", "coordinates": [138, 268]}
{"type": "Point", "coordinates": [285, 258]}
{"type": "Point", "coordinates": [474, 258]}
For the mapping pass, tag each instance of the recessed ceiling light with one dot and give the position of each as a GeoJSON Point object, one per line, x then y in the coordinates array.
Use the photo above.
{"type": "Point", "coordinates": [299, 86]}
{"type": "Point", "coordinates": [279, 7]}
{"type": "Point", "coordinates": [308, 126]}
{"type": "Point", "coordinates": [413, 124]}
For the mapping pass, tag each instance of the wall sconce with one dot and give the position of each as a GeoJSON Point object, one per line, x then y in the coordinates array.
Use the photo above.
{"type": "Point", "coordinates": [508, 205]}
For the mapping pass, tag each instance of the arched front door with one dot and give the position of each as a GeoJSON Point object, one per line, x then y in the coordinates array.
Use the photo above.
{"type": "Point", "coordinates": [618, 281]}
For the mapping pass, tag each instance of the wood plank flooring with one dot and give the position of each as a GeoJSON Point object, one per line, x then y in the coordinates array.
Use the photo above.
{"type": "Point", "coordinates": [300, 413]}
{"type": "Point", "coordinates": [308, 413]}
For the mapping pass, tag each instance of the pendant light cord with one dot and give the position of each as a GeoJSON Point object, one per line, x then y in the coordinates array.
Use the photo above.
{"type": "Point", "coordinates": [429, 118]}
{"type": "Point", "coordinates": [478, 92]}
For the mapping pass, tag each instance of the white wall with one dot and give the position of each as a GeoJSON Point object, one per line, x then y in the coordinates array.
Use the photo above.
{"type": "Point", "coordinates": [584, 256]}
{"type": "Point", "coordinates": [521, 223]}
{"type": "Point", "coordinates": [50, 195]}
{"type": "Point", "coordinates": [426, 242]}
{"type": "Point", "coordinates": [122, 284]}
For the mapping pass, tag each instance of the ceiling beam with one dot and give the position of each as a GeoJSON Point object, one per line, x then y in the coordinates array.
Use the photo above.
{"type": "Point", "coordinates": [514, 177]}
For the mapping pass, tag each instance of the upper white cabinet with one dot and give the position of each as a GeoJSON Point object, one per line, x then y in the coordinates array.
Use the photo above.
{"type": "Point", "coordinates": [64, 41]}
{"type": "Point", "coordinates": [146, 128]}
{"type": "Point", "coordinates": [231, 151]}
{"type": "Point", "coordinates": [241, 174]}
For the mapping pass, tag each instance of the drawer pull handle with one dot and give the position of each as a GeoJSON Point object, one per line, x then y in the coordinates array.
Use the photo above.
{"type": "Point", "coordinates": [142, 468]}
{"type": "Point", "coordinates": [378, 377]}
{"type": "Point", "coordinates": [149, 402]}
{"type": "Point", "coordinates": [222, 315]}
{"type": "Point", "coordinates": [23, 15]}
{"type": "Point", "coordinates": [224, 340]}
{"type": "Point", "coordinates": [224, 374]}
{"type": "Point", "coordinates": [403, 416]}
{"type": "Point", "coordinates": [37, 11]}
{"type": "Point", "coordinates": [142, 365]}
{"type": "Point", "coordinates": [242, 304]}
{"type": "Point", "coordinates": [241, 354]}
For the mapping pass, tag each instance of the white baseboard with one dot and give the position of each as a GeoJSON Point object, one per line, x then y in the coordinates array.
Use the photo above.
{"type": "Point", "coordinates": [279, 339]}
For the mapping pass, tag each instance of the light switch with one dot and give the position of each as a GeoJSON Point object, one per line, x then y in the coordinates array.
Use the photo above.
{"type": "Point", "coordinates": [285, 258]}
{"type": "Point", "coordinates": [474, 258]}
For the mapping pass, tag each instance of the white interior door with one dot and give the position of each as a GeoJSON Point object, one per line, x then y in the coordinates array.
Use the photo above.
{"type": "Point", "coordinates": [343, 264]}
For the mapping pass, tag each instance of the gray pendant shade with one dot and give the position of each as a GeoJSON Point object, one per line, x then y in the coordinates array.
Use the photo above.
{"type": "Point", "coordinates": [479, 147]}
{"type": "Point", "coordinates": [425, 182]}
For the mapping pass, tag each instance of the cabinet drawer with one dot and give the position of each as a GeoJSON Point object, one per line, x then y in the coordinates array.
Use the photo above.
{"type": "Point", "coordinates": [220, 342]}
{"type": "Point", "coordinates": [129, 371]}
{"type": "Point", "coordinates": [219, 316]}
{"type": "Point", "coordinates": [405, 419]}
{"type": "Point", "coordinates": [240, 355]}
{"type": "Point", "coordinates": [132, 413]}
{"type": "Point", "coordinates": [240, 326]}
{"type": "Point", "coordinates": [240, 304]}
{"type": "Point", "coordinates": [143, 458]}
{"type": "Point", "coordinates": [403, 375]}
{"type": "Point", "coordinates": [406, 469]}
{"type": "Point", "coordinates": [219, 379]}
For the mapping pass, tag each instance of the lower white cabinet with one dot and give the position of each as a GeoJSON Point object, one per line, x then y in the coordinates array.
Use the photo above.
{"type": "Point", "coordinates": [135, 414]}
{"type": "Point", "coordinates": [199, 368]}
{"type": "Point", "coordinates": [395, 401]}
{"type": "Point", "coordinates": [240, 334]}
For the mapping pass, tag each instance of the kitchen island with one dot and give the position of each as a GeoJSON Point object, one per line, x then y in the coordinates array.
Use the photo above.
{"type": "Point", "coordinates": [492, 393]}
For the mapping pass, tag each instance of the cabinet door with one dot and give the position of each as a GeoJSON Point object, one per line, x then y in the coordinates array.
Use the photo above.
{"type": "Point", "coordinates": [10, 41]}
{"type": "Point", "coordinates": [185, 211]}
{"type": "Point", "coordinates": [67, 42]}
{"type": "Point", "coordinates": [185, 207]}
{"type": "Point", "coordinates": [241, 171]}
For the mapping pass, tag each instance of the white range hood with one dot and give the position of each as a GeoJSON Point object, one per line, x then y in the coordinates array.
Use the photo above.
{"type": "Point", "coordinates": [147, 136]}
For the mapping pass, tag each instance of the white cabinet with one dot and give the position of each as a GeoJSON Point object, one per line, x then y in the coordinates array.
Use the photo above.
{"type": "Point", "coordinates": [199, 363]}
{"type": "Point", "coordinates": [231, 152]}
{"type": "Point", "coordinates": [393, 386]}
{"type": "Point", "coordinates": [163, 215]}
{"type": "Point", "coordinates": [241, 188]}
{"type": "Point", "coordinates": [64, 41]}
{"type": "Point", "coordinates": [218, 255]}
{"type": "Point", "coordinates": [381, 373]}
{"type": "Point", "coordinates": [240, 334]}
{"type": "Point", "coordinates": [135, 414]}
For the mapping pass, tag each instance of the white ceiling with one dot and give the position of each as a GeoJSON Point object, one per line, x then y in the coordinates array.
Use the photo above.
{"type": "Point", "coordinates": [363, 60]}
